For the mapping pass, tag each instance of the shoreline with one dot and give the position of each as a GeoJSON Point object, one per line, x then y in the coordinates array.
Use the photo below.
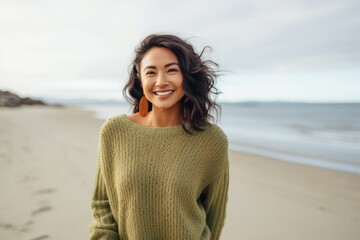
{"type": "Point", "coordinates": [48, 161]}
{"type": "Point", "coordinates": [314, 162]}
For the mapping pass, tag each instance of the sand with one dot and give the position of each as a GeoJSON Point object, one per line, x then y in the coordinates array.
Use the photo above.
{"type": "Point", "coordinates": [47, 168]}
{"type": "Point", "coordinates": [272, 199]}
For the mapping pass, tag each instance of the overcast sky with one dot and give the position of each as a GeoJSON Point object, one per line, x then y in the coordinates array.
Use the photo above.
{"type": "Point", "coordinates": [301, 50]}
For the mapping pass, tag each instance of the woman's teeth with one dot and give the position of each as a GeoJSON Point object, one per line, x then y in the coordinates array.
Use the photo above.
{"type": "Point", "coordinates": [163, 93]}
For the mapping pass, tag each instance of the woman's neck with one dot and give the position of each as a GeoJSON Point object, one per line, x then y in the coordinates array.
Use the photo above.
{"type": "Point", "coordinates": [164, 118]}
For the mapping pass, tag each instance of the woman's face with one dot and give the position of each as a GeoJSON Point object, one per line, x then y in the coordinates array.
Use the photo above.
{"type": "Point", "coordinates": [161, 78]}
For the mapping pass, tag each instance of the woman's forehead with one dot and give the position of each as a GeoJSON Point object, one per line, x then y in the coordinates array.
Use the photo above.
{"type": "Point", "coordinates": [158, 57]}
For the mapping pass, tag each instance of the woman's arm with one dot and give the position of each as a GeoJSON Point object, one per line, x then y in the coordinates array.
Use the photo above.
{"type": "Point", "coordinates": [215, 204]}
{"type": "Point", "coordinates": [216, 192]}
{"type": "Point", "coordinates": [103, 226]}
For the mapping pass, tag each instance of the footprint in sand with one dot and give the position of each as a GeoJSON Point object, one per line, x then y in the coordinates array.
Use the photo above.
{"type": "Point", "coordinates": [40, 237]}
{"type": "Point", "coordinates": [40, 210]}
{"type": "Point", "coordinates": [7, 226]}
{"type": "Point", "coordinates": [44, 191]}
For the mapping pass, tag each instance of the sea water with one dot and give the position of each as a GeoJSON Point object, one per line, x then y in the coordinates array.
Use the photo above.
{"type": "Point", "coordinates": [322, 135]}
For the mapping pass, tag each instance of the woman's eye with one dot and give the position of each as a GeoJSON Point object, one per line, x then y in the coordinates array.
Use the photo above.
{"type": "Point", "coordinates": [150, 73]}
{"type": "Point", "coordinates": [172, 70]}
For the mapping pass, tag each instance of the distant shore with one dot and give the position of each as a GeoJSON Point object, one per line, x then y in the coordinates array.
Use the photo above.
{"type": "Point", "coordinates": [48, 160]}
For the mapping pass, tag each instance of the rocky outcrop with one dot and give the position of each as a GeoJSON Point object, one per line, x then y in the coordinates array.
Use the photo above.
{"type": "Point", "coordinates": [9, 99]}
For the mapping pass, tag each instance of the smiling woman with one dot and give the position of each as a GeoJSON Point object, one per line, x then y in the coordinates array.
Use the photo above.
{"type": "Point", "coordinates": [160, 59]}
{"type": "Point", "coordinates": [163, 171]}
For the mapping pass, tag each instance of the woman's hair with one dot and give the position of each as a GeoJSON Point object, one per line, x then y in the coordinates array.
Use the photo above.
{"type": "Point", "coordinates": [199, 78]}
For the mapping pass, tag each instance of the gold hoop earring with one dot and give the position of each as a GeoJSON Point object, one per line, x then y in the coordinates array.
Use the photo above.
{"type": "Point", "coordinates": [143, 106]}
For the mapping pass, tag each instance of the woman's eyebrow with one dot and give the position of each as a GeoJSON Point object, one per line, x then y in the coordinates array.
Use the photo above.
{"type": "Point", "coordinates": [152, 67]}
{"type": "Point", "coordinates": [166, 65]}
{"type": "Point", "coordinates": [170, 64]}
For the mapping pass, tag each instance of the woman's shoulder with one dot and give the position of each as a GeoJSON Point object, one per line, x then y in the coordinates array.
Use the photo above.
{"type": "Point", "coordinates": [113, 124]}
{"type": "Point", "coordinates": [214, 136]}
{"type": "Point", "coordinates": [216, 131]}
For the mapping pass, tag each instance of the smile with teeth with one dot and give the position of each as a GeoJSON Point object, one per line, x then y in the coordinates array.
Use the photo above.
{"type": "Point", "coordinates": [163, 93]}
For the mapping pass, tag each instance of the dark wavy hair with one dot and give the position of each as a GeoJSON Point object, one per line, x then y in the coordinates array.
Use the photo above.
{"type": "Point", "coordinates": [199, 77]}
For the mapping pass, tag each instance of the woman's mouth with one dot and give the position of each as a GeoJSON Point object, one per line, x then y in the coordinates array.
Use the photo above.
{"type": "Point", "coordinates": [164, 93]}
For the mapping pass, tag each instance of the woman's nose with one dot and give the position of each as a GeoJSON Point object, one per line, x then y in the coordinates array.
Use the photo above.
{"type": "Point", "coordinates": [161, 80]}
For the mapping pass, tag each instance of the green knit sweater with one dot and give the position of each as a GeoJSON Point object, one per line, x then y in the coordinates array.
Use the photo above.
{"type": "Point", "coordinates": [159, 183]}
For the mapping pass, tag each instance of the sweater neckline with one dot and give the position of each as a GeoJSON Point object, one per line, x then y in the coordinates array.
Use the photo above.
{"type": "Point", "coordinates": [170, 129]}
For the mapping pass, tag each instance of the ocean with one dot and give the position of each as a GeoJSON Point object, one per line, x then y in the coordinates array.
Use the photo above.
{"type": "Point", "coordinates": [322, 135]}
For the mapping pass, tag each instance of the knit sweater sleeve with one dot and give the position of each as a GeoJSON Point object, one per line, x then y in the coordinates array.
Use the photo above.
{"type": "Point", "coordinates": [103, 227]}
{"type": "Point", "coordinates": [216, 197]}
{"type": "Point", "coordinates": [215, 204]}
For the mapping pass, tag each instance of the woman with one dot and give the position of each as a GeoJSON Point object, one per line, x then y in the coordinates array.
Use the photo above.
{"type": "Point", "coordinates": [163, 170]}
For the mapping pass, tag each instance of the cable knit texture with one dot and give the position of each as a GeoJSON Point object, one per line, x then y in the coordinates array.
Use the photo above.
{"type": "Point", "coordinates": [159, 183]}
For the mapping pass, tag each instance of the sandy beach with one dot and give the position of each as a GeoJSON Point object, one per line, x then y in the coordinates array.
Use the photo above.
{"type": "Point", "coordinates": [47, 168]}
